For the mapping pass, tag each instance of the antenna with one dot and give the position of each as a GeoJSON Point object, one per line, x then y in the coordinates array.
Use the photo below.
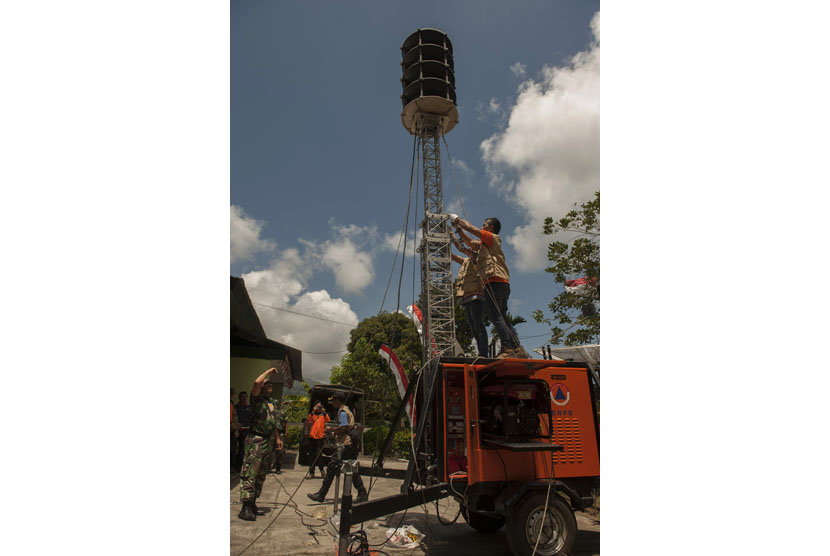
{"type": "Point", "coordinates": [429, 111]}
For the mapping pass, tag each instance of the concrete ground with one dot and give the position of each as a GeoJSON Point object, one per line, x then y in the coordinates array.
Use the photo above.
{"type": "Point", "coordinates": [293, 524]}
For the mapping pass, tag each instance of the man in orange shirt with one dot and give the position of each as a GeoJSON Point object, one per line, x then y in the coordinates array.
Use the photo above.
{"type": "Point", "coordinates": [496, 281]}
{"type": "Point", "coordinates": [318, 420]}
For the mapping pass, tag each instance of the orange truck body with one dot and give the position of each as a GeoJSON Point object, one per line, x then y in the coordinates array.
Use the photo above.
{"type": "Point", "coordinates": [469, 457]}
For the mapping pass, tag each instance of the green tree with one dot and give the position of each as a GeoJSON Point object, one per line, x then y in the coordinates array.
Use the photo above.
{"type": "Point", "coordinates": [575, 319]}
{"type": "Point", "coordinates": [363, 368]}
{"type": "Point", "coordinates": [295, 407]}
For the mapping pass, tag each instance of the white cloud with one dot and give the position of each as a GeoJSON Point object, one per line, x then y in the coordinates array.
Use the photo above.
{"type": "Point", "coordinates": [284, 283]}
{"type": "Point", "coordinates": [547, 158]}
{"type": "Point", "coordinates": [348, 255]}
{"type": "Point", "coordinates": [281, 286]}
{"type": "Point", "coordinates": [281, 282]}
{"type": "Point", "coordinates": [454, 207]}
{"type": "Point", "coordinates": [394, 242]}
{"type": "Point", "coordinates": [462, 167]}
{"type": "Point", "coordinates": [353, 269]}
{"type": "Point", "coordinates": [518, 69]}
{"type": "Point", "coordinates": [245, 236]}
{"type": "Point", "coordinates": [486, 111]}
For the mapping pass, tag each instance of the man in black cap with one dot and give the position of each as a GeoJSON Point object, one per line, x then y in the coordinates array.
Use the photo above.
{"type": "Point", "coordinates": [262, 441]}
{"type": "Point", "coordinates": [345, 423]}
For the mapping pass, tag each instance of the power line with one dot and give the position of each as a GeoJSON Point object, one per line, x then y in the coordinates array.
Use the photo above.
{"type": "Point", "coordinates": [536, 336]}
{"type": "Point", "coordinates": [305, 315]}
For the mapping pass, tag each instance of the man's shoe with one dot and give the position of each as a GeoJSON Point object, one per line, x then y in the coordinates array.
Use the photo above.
{"type": "Point", "coordinates": [278, 471]}
{"type": "Point", "coordinates": [317, 496]}
{"type": "Point", "coordinates": [309, 476]}
{"type": "Point", "coordinates": [507, 353]}
{"type": "Point", "coordinates": [362, 496]}
{"type": "Point", "coordinates": [247, 512]}
{"type": "Point", "coordinates": [257, 510]}
{"type": "Point", "coordinates": [521, 353]}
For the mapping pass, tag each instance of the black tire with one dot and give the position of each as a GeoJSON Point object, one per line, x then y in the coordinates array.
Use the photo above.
{"type": "Point", "coordinates": [525, 521]}
{"type": "Point", "coordinates": [482, 522]}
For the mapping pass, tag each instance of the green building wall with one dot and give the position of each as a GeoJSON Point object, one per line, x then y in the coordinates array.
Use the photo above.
{"type": "Point", "coordinates": [244, 370]}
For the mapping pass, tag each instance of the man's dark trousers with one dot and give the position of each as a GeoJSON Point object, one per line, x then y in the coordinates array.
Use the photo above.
{"type": "Point", "coordinates": [496, 295]}
{"type": "Point", "coordinates": [349, 452]}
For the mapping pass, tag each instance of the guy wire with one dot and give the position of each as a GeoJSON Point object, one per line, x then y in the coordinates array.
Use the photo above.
{"type": "Point", "coordinates": [392, 272]}
{"type": "Point", "coordinates": [452, 169]}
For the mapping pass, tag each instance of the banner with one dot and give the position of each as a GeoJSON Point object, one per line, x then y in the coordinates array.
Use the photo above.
{"type": "Point", "coordinates": [581, 286]}
{"type": "Point", "coordinates": [400, 378]}
{"type": "Point", "coordinates": [418, 318]}
{"type": "Point", "coordinates": [284, 368]}
{"type": "Point", "coordinates": [415, 315]}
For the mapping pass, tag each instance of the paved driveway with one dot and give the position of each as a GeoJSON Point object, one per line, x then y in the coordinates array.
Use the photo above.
{"type": "Point", "coordinates": [296, 525]}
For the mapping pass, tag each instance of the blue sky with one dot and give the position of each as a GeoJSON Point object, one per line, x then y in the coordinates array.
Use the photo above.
{"type": "Point", "coordinates": [320, 163]}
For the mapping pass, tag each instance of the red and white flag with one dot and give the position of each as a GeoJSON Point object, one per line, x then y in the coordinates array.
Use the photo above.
{"type": "Point", "coordinates": [416, 315]}
{"type": "Point", "coordinates": [400, 378]}
{"type": "Point", "coordinates": [580, 286]}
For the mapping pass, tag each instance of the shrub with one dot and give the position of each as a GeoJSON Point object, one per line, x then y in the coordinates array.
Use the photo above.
{"type": "Point", "coordinates": [402, 443]}
{"type": "Point", "coordinates": [293, 433]}
{"type": "Point", "coordinates": [373, 438]}
{"type": "Point", "coordinates": [295, 410]}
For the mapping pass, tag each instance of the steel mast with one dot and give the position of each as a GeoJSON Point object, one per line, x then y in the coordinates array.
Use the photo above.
{"type": "Point", "coordinates": [429, 112]}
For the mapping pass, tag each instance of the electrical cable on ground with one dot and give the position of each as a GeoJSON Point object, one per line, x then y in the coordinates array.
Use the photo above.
{"type": "Point", "coordinates": [438, 514]}
{"type": "Point", "coordinates": [270, 523]}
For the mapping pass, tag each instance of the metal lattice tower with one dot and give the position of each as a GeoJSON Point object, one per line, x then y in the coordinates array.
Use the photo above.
{"type": "Point", "coordinates": [429, 112]}
{"type": "Point", "coordinates": [436, 244]}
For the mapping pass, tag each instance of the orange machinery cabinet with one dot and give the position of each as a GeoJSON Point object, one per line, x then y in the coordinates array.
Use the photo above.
{"type": "Point", "coordinates": [468, 456]}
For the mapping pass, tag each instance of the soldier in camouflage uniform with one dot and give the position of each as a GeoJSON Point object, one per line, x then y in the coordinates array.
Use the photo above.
{"type": "Point", "coordinates": [282, 423]}
{"type": "Point", "coordinates": [262, 441]}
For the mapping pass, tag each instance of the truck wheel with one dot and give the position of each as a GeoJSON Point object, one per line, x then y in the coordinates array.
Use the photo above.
{"type": "Point", "coordinates": [558, 526]}
{"type": "Point", "coordinates": [481, 522]}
